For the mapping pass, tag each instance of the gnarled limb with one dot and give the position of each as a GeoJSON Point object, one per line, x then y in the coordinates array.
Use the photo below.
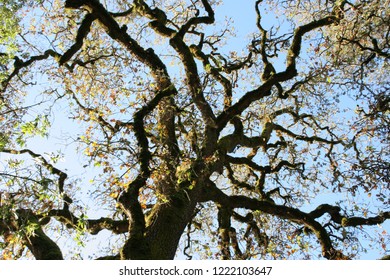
{"type": "Point", "coordinates": [291, 214]}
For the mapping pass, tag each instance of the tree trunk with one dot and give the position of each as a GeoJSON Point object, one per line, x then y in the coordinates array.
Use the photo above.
{"type": "Point", "coordinates": [166, 225]}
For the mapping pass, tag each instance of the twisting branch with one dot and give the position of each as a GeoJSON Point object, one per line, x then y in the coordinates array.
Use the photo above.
{"type": "Point", "coordinates": [158, 17]}
{"type": "Point", "coordinates": [19, 65]}
{"type": "Point", "coordinates": [309, 139]}
{"type": "Point", "coordinates": [53, 170]}
{"type": "Point", "coordinates": [194, 21]}
{"type": "Point", "coordinates": [262, 238]}
{"type": "Point", "coordinates": [337, 217]}
{"type": "Point", "coordinates": [269, 69]}
{"type": "Point", "coordinates": [215, 73]}
{"type": "Point", "coordinates": [93, 226]}
{"type": "Point", "coordinates": [300, 31]}
{"type": "Point", "coordinates": [277, 78]}
{"type": "Point", "coordinates": [193, 80]}
{"type": "Point", "coordinates": [289, 213]}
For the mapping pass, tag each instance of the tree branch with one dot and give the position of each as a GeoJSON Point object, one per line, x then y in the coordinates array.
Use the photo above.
{"type": "Point", "coordinates": [334, 212]}
{"type": "Point", "coordinates": [291, 214]}
{"type": "Point", "coordinates": [224, 216]}
{"type": "Point", "coordinates": [53, 170]}
{"type": "Point", "coordinates": [20, 64]}
{"type": "Point", "coordinates": [277, 78]}
{"type": "Point", "coordinates": [81, 35]}
{"type": "Point", "coordinates": [194, 21]}
{"type": "Point", "coordinates": [40, 245]}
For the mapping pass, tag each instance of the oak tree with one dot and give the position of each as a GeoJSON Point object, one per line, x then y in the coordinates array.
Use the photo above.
{"type": "Point", "coordinates": [139, 122]}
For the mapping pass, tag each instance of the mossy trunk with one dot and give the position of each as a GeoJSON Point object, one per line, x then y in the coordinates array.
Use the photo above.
{"type": "Point", "coordinates": [166, 225]}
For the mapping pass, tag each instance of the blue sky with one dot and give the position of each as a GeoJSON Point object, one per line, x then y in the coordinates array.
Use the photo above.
{"type": "Point", "coordinates": [243, 18]}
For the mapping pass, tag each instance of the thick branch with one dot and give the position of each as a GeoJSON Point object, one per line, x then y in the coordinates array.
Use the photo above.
{"type": "Point", "coordinates": [209, 19]}
{"type": "Point", "coordinates": [291, 214]}
{"type": "Point", "coordinates": [41, 246]}
{"type": "Point", "coordinates": [93, 226]}
{"type": "Point", "coordinates": [224, 216]}
{"type": "Point", "coordinates": [334, 212]}
{"type": "Point", "coordinates": [158, 17]}
{"type": "Point", "coordinates": [81, 35]}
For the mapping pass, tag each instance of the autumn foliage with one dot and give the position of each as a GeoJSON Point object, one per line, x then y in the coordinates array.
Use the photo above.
{"type": "Point", "coordinates": [138, 126]}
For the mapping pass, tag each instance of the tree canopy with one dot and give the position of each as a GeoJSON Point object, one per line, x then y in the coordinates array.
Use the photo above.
{"type": "Point", "coordinates": [139, 127]}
